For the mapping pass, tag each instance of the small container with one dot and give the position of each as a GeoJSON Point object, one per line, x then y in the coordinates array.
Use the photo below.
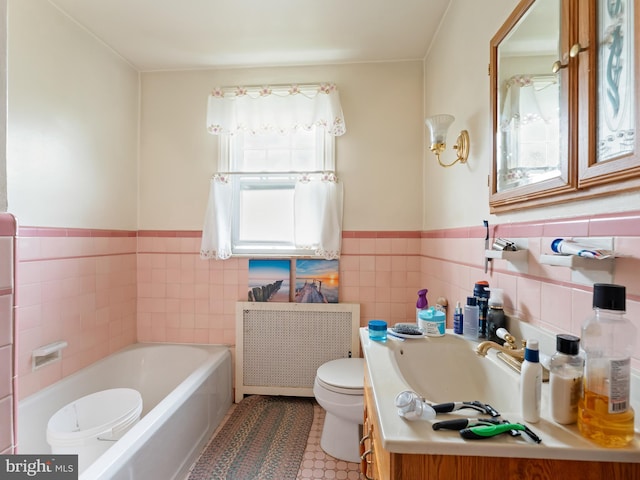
{"type": "Point", "coordinates": [378, 330]}
{"type": "Point", "coordinates": [432, 322]}
{"type": "Point", "coordinates": [565, 379]}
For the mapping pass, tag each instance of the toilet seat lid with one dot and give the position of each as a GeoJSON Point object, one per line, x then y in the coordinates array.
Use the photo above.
{"type": "Point", "coordinates": [344, 373]}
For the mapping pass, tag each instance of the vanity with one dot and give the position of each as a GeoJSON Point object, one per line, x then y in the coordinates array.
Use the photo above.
{"type": "Point", "coordinates": [447, 369]}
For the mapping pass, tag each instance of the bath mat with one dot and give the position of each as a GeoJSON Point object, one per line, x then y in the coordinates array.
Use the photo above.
{"type": "Point", "coordinates": [263, 439]}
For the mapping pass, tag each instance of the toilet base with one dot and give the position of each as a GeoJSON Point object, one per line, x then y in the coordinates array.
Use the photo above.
{"type": "Point", "coordinates": [340, 439]}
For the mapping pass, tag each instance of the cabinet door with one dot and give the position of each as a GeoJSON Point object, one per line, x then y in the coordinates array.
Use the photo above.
{"type": "Point", "coordinates": [534, 105]}
{"type": "Point", "coordinates": [596, 130]}
{"type": "Point", "coordinates": [609, 103]}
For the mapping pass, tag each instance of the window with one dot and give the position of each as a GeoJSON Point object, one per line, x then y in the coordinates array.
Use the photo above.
{"type": "Point", "coordinates": [276, 193]}
{"type": "Point", "coordinates": [263, 206]}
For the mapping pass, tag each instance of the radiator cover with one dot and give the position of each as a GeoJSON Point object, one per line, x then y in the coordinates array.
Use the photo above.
{"type": "Point", "coordinates": [279, 346]}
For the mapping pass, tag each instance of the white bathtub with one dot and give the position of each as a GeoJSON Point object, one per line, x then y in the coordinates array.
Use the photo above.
{"type": "Point", "coordinates": [186, 391]}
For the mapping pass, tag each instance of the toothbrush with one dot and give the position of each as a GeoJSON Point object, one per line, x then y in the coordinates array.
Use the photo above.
{"type": "Point", "coordinates": [487, 431]}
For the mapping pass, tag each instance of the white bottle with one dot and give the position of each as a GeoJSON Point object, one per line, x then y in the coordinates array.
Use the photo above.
{"type": "Point", "coordinates": [565, 379]}
{"type": "Point", "coordinates": [531, 383]}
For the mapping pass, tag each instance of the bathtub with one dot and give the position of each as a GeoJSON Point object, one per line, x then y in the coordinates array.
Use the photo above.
{"type": "Point", "coordinates": [186, 392]}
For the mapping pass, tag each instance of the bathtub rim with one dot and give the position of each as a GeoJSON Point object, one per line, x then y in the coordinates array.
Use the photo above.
{"type": "Point", "coordinates": [120, 452]}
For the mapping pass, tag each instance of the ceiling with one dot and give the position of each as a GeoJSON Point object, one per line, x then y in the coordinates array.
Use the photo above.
{"type": "Point", "coordinates": [190, 34]}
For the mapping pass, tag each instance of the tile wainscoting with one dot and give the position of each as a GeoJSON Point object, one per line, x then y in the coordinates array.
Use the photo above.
{"type": "Point", "coordinates": [101, 290]}
{"type": "Point", "coordinates": [7, 370]}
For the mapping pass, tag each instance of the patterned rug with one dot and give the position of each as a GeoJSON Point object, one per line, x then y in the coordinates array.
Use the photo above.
{"type": "Point", "coordinates": [263, 439]}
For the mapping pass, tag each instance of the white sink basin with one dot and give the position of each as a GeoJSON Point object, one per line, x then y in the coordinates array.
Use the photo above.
{"type": "Point", "coordinates": [447, 369]}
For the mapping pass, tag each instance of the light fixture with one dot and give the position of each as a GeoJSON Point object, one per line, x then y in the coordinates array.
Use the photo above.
{"type": "Point", "coordinates": [438, 125]}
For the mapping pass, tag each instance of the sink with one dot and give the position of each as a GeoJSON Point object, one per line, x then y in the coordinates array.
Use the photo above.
{"type": "Point", "coordinates": [447, 369]}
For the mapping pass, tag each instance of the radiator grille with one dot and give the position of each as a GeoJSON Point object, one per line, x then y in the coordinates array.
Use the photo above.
{"type": "Point", "coordinates": [280, 346]}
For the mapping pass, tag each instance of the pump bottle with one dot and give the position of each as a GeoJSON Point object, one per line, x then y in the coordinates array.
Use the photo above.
{"type": "Point", "coordinates": [421, 304]}
{"type": "Point", "coordinates": [605, 415]}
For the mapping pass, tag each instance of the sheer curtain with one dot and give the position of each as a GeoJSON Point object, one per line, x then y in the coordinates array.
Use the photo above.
{"type": "Point", "coordinates": [278, 108]}
{"type": "Point", "coordinates": [322, 231]}
{"type": "Point", "coordinates": [216, 233]}
{"type": "Point", "coordinates": [317, 197]}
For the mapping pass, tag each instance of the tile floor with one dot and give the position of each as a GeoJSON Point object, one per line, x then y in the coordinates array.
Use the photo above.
{"type": "Point", "coordinates": [316, 464]}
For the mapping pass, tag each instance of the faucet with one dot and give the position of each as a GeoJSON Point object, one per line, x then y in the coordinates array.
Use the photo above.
{"type": "Point", "coordinates": [508, 347]}
{"type": "Point", "coordinates": [508, 352]}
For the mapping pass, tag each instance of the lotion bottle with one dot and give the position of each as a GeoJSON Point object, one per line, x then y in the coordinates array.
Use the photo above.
{"type": "Point", "coordinates": [565, 379]}
{"type": "Point", "coordinates": [531, 383]}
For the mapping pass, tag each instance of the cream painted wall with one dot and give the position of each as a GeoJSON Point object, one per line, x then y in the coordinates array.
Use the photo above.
{"type": "Point", "coordinates": [72, 138]}
{"type": "Point", "coordinates": [457, 82]}
{"type": "Point", "coordinates": [3, 105]}
{"type": "Point", "coordinates": [379, 159]}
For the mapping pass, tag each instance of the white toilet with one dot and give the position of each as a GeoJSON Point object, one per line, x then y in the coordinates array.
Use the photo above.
{"type": "Point", "coordinates": [339, 389]}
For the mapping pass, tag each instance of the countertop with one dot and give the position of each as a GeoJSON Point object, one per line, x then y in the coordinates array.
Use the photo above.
{"type": "Point", "coordinates": [398, 435]}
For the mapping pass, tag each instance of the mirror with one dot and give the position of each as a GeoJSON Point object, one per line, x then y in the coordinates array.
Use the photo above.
{"type": "Point", "coordinates": [564, 103]}
{"type": "Point", "coordinates": [528, 119]}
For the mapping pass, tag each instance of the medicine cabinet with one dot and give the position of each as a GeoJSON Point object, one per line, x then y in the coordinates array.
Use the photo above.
{"type": "Point", "coordinates": [565, 102]}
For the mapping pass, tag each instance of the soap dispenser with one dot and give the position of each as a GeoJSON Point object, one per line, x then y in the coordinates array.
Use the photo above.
{"type": "Point", "coordinates": [421, 304]}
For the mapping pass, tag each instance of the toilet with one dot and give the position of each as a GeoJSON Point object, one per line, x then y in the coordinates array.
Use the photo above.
{"type": "Point", "coordinates": [339, 389]}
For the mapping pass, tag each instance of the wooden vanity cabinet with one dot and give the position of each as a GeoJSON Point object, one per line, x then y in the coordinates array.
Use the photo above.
{"type": "Point", "coordinates": [385, 465]}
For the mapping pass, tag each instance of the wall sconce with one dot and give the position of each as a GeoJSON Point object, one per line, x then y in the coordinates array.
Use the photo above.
{"type": "Point", "coordinates": [438, 125]}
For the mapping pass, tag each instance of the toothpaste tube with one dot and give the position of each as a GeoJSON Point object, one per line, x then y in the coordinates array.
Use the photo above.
{"type": "Point", "coordinates": [569, 247]}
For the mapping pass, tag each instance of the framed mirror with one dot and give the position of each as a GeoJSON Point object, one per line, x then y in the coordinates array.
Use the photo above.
{"type": "Point", "coordinates": [530, 103]}
{"type": "Point", "coordinates": [565, 91]}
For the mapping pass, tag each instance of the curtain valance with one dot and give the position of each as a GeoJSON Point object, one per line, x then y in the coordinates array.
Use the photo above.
{"type": "Point", "coordinates": [281, 108]}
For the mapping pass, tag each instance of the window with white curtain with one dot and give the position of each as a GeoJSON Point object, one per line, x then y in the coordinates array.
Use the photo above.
{"type": "Point", "coordinates": [276, 192]}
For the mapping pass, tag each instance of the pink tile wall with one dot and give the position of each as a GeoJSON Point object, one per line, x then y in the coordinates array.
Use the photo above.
{"type": "Point", "coordinates": [7, 370]}
{"type": "Point", "coordinates": [73, 285]}
{"type": "Point", "coordinates": [182, 298]}
{"type": "Point", "coordinates": [452, 261]}
{"type": "Point", "coordinates": [100, 291]}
